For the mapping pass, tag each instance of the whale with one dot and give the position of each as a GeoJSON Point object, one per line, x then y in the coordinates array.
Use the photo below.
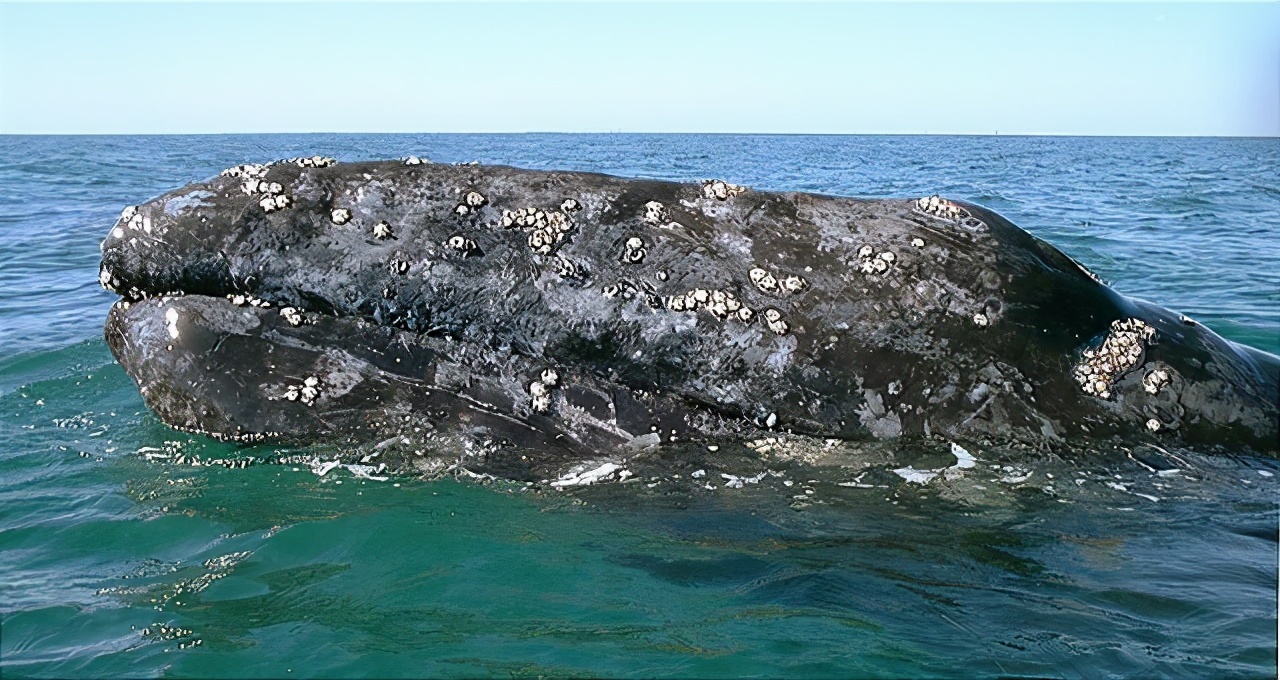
{"type": "Point", "coordinates": [529, 320]}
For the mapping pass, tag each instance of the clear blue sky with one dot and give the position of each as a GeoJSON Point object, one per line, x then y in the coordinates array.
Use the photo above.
{"type": "Point", "coordinates": [1088, 68]}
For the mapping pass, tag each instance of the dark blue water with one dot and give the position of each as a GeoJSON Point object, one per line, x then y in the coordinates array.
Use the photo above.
{"type": "Point", "coordinates": [1082, 568]}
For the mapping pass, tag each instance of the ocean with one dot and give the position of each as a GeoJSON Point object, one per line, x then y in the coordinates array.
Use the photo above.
{"type": "Point", "coordinates": [116, 562]}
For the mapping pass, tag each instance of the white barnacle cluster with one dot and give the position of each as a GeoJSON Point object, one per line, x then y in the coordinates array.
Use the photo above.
{"type": "Point", "coordinates": [654, 213]}
{"type": "Point", "coordinates": [246, 171]}
{"type": "Point", "coordinates": [292, 316]}
{"type": "Point", "coordinates": [414, 160]}
{"type": "Point", "coordinates": [470, 203]}
{"type": "Point", "coordinates": [382, 230]}
{"type": "Point", "coordinates": [768, 283]}
{"type": "Point", "coordinates": [171, 322]}
{"type": "Point", "coordinates": [307, 392]}
{"type": "Point", "coordinates": [624, 288]}
{"type": "Point", "coordinates": [106, 280]}
{"type": "Point", "coordinates": [1121, 352]}
{"type": "Point", "coordinates": [313, 162]}
{"type": "Point", "coordinates": [340, 216]}
{"type": "Point", "coordinates": [400, 266]}
{"type": "Point", "coordinates": [547, 228]}
{"type": "Point", "coordinates": [569, 205]}
{"type": "Point", "coordinates": [462, 244]}
{"type": "Point", "coordinates": [569, 269]}
{"type": "Point", "coordinates": [722, 304]}
{"type": "Point", "coordinates": [773, 319]}
{"type": "Point", "coordinates": [870, 262]}
{"type": "Point", "coordinates": [132, 218]}
{"type": "Point", "coordinates": [634, 251]}
{"type": "Point", "coordinates": [917, 242]}
{"type": "Point", "coordinates": [253, 176]}
{"type": "Point", "coordinates": [272, 194]}
{"type": "Point", "coordinates": [720, 190]}
{"type": "Point", "coordinates": [940, 207]}
{"type": "Point", "coordinates": [240, 300]}
{"type": "Point", "coordinates": [540, 390]}
{"type": "Point", "coordinates": [980, 320]}
{"type": "Point", "coordinates": [1153, 381]}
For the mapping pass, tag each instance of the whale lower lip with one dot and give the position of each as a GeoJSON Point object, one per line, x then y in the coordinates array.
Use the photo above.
{"type": "Point", "coordinates": [437, 302]}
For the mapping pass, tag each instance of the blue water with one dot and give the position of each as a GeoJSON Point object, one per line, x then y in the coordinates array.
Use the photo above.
{"type": "Point", "coordinates": [1081, 568]}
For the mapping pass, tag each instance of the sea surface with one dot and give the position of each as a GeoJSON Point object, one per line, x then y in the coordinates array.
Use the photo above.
{"type": "Point", "coordinates": [117, 561]}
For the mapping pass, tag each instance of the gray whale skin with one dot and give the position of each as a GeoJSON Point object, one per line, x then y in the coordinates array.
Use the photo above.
{"type": "Point", "coordinates": [525, 320]}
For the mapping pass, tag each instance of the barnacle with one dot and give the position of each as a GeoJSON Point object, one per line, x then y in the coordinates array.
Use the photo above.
{"type": "Point", "coordinates": [635, 251]}
{"type": "Point", "coordinates": [654, 213]}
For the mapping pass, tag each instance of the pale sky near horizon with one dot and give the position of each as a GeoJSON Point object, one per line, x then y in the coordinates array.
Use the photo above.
{"type": "Point", "coordinates": [1037, 68]}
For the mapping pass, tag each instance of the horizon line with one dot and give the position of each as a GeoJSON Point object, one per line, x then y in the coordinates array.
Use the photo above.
{"type": "Point", "coordinates": [628, 132]}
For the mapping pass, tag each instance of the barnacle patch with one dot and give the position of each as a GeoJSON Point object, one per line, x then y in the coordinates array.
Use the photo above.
{"type": "Point", "coordinates": [569, 269]}
{"type": "Point", "coordinates": [768, 283]}
{"type": "Point", "coordinates": [307, 391]}
{"type": "Point", "coordinates": [547, 228]}
{"type": "Point", "coordinates": [246, 171]}
{"type": "Point", "coordinates": [720, 190]}
{"type": "Point", "coordinates": [254, 183]}
{"type": "Point", "coordinates": [313, 162]}
{"type": "Point", "coordinates": [382, 230]}
{"type": "Point", "coordinates": [570, 205]}
{"type": "Point", "coordinates": [463, 245]}
{"type": "Point", "coordinates": [635, 251]}
{"type": "Point", "coordinates": [540, 390]}
{"type": "Point", "coordinates": [1153, 381]}
{"type": "Point", "coordinates": [106, 280]}
{"type": "Point", "coordinates": [773, 319]}
{"type": "Point", "coordinates": [654, 213]}
{"type": "Point", "coordinates": [292, 315]}
{"type": "Point", "coordinates": [340, 216]}
{"type": "Point", "coordinates": [722, 304]}
{"type": "Point", "coordinates": [870, 262]}
{"type": "Point", "coordinates": [240, 300]}
{"type": "Point", "coordinates": [624, 289]}
{"type": "Point", "coordinates": [171, 322]}
{"type": "Point", "coordinates": [132, 219]}
{"type": "Point", "coordinates": [1121, 351]}
{"type": "Point", "coordinates": [471, 202]}
{"type": "Point", "coordinates": [940, 207]}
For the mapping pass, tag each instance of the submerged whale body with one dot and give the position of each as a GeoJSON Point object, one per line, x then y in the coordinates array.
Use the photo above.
{"type": "Point", "coordinates": [525, 320]}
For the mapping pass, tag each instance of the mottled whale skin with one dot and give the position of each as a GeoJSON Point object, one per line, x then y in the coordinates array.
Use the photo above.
{"type": "Point", "coordinates": [435, 309]}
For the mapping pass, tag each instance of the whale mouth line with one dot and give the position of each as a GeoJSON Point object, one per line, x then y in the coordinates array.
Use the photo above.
{"type": "Point", "coordinates": [530, 318]}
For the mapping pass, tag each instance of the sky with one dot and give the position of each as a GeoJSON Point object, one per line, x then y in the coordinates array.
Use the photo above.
{"type": "Point", "coordinates": [915, 68]}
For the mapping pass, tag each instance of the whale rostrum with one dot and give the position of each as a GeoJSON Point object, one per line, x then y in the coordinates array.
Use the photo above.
{"type": "Point", "coordinates": [542, 317]}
